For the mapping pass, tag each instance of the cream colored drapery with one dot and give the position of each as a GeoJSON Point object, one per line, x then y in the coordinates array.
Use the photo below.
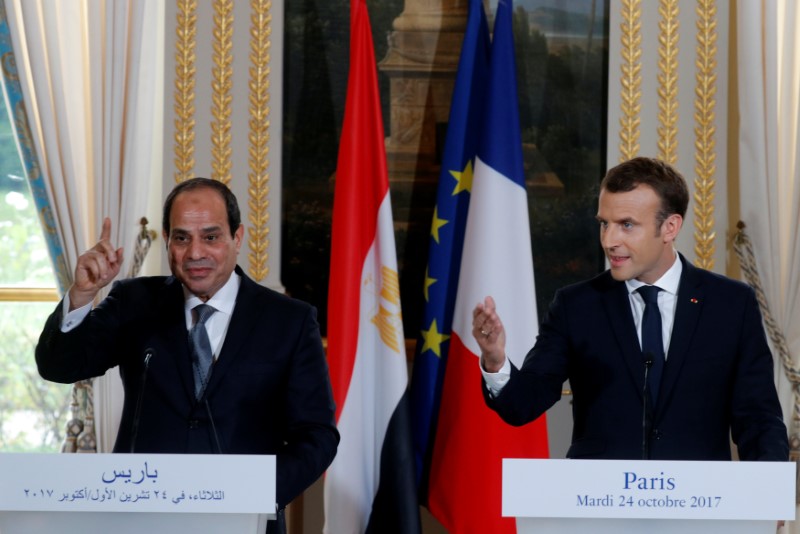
{"type": "Point", "coordinates": [91, 73]}
{"type": "Point", "coordinates": [769, 159]}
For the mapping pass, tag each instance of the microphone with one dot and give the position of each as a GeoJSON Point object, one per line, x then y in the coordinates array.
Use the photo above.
{"type": "Point", "coordinates": [648, 363]}
{"type": "Point", "coordinates": [213, 426]}
{"type": "Point", "coordinates": [148, 354]}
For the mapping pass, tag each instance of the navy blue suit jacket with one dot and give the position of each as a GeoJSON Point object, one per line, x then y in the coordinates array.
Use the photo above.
{"type": "Point", "coordinates": [269, 391]}
{"type": "Point", "coordinates": [717, 382]}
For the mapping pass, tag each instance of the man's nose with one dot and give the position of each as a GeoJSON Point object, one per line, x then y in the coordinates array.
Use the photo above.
{"type": "Point", "coordinates": [195, 249]}
{"type": "Point", "coordinates": [608, 237]}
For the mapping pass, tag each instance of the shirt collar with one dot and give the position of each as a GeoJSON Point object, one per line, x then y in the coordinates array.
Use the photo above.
{"type": "Point", "coordinates": [222, 301]}
{"type": "Point", "coordinates": [668, 282]}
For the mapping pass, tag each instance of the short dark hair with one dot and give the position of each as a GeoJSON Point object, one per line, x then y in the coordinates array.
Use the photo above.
{"type": "Point", "coordinates": [231, 205]}
{"type": "Point", "coordinates": [666, 181]}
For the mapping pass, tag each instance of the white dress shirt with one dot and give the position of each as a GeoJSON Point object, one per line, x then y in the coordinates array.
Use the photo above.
{"type": "Point", "coordinates": [223, 301]}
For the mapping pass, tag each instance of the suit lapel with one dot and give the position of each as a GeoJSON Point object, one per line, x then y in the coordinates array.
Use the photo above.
{"type": "Point", "coordinates": [687, 315]}
{"type": "Point", "coordinates": [242, 322]}
{"type": "Point", "coordinates": [618, 309]}
{"type": "Point", "coordinates": [175, 337]}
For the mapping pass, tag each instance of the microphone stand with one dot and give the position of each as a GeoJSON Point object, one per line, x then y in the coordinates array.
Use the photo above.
{"type": "Point", "coordinates": [213, 426]}
{"type": "Point", "coordinates": [148, 353]}
{"type": "Point", "coordinates": [648, 362]}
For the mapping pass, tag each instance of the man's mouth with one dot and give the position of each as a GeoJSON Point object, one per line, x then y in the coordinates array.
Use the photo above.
{"type": "Point", "coordinates": [616, 261]}
{"type": "Point", "coordinates": [197, 270]}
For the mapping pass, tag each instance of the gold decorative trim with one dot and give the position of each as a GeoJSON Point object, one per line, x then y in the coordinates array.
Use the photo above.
{"type": "Point", "coordinates": [258, 201]}
{"type": "Point", "coordinates": [185, 70]}
{"type": "Point", "coordinates": [705, 143]}
{"type": "Point", "coordinates": [668, 38]}
{"type": "Point", "coordinates": [631, 80]}
{"type": "Point", "coordinates": [221, 84]}
{"type": "Point", "coordinates": [29, 294]}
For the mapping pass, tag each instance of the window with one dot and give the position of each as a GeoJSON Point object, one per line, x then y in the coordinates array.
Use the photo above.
{"type": "Point", "coordinates": [32, 411]}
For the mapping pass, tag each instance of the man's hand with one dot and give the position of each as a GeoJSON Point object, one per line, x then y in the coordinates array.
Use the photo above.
{"type": "Point", "coordinates": [488, 331]}
{"type": "Point", "coordinates": [96, 268]}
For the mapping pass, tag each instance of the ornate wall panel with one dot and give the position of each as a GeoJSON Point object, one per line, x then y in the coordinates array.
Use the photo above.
{"type": "Point", "coordinates": [665, 97]}
{"type": "Point", "coordinates": [223, 112]}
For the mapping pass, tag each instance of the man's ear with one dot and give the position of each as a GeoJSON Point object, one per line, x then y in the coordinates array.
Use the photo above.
{"type": "Point", "coordinates": [671, 227]}
{"type": "Point", "coordinates": [238, 236]}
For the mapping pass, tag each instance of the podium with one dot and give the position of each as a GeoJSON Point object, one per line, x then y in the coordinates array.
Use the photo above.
{"type": "Point", "coordinates": [619, 496]}
{"type": "Point", "coordinates": [127, 493]}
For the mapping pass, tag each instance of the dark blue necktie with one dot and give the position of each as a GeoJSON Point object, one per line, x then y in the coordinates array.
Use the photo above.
{"type": "Point", "coordinates": [201, 348]}
{"type": "Point", "coordinates": [652, 340]}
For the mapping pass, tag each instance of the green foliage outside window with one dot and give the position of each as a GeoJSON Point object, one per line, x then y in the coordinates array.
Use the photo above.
{"type": "Point", "coordinates": [32, 411]}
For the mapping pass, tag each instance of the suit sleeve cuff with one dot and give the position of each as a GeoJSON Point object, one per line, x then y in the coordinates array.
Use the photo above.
{"type": "Point", "coordinates": [495, 382]}
{"type": "Point", "coordinates": [72, 319]}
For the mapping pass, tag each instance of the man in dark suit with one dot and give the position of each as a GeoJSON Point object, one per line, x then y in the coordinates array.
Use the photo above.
{"type": "Point", "coordinates": [707, 343]}
{"type": "Point", "coordinates": [267, 389]}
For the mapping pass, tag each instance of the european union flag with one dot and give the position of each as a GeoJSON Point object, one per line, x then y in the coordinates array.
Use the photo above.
{"type": "Point", "coordinates": [447, 235]}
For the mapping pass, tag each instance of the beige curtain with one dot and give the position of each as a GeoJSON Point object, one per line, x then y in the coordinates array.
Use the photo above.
{"type": "Point", "coordinates": [91, 72]}
{"type": "Point", "coordinates": [769, 148]}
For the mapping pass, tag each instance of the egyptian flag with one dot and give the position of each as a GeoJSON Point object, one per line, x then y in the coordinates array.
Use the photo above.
{"type": "Point", "coordinates": [370, 485]}
{"type": "Point", "coordinates": [465, 491]}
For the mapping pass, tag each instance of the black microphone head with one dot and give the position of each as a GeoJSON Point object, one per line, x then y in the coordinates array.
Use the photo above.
{"type": "Point", "coordinates": [648, 358]}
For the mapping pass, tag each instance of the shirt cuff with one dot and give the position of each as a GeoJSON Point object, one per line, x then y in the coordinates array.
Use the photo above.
{"type": "Point", "coordinates": [72, 319]}
{"type": "Point", "coordinates": [495, 382]}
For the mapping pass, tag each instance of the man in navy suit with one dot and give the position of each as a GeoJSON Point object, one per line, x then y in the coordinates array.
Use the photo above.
{"type": "Point", "coordinates": [268, 389]}
{"type": "Point", "coordinates": [716, 370]}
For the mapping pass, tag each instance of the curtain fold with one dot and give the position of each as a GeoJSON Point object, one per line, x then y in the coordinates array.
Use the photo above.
{"type": "Point", "coordinates": [91, 73]}
{"type": "Point", "coordinates": [769, 146]}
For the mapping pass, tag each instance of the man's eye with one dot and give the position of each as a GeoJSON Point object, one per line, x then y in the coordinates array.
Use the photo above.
{"type": "Point", "coordinates": [212, 237]}
{"type": "Point", "coordinates": [627, 225]}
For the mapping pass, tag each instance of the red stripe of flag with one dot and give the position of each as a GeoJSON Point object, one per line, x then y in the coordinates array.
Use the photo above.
{"type": "Point", "coordinates": [361, 183]}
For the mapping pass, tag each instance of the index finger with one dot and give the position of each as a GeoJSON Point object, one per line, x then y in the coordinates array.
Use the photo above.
{"type": "Point", "coordinates": [105, 233]}
{"type": "Point", "coordinates": [489, 305]}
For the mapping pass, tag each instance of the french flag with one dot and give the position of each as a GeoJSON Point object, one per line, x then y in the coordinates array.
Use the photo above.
{"type": "Point", "coordinates": [465, 481]}
{"type": "Point", "coordinates": [370, 485]}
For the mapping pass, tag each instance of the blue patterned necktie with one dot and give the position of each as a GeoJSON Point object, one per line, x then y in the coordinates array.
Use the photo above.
{"type": "Point", "coordinates": [652, 339]}
{"type": "Point", "coordinates": [201, 348]}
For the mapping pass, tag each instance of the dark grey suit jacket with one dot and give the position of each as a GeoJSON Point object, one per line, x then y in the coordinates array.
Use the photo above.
{"type": "Point", "coordinates": [269, 392]}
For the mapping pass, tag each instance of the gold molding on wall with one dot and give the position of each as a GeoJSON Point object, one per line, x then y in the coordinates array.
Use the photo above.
{"type": "Point", "coordinates": [185, 70]}
{"type": "Point", "coordinates": [29, 294]}
{"type": "Point", "coordinates": [219, 115]}
{"type": "Point", "coordinates": [668, 38]}
{"type": "Point", "coordinates": [705, 142]}
{"type": "Point", "coordinates": [221, 85]}
{"type": "Point", "coordinates": [631, 79]}
{"type": "Point", "coordinates": [258, 177]}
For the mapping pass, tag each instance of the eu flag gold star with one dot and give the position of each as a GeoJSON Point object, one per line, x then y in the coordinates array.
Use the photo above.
{"type": "Point", "coordinates": [433, 339]}
{"type": "Point", "coordinates": [428, 283]}
{"type": "Point", "coordinates": [463, 179]}
{"type": "Point", "coordinates": [437, 223]}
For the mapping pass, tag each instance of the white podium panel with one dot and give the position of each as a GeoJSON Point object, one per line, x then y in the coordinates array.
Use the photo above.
{"type": "Point", "coordinates": [612, 496]}
{"type": "Point", "coordinates": [153, 493]}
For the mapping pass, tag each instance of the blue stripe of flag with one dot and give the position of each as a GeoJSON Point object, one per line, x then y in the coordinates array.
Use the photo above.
{"type": "Point", "coordinates": [501, 145]}
{"type": "Point", "coordinates": [444, 258]}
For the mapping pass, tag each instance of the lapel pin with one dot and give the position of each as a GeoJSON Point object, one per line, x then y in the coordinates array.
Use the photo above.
{"type": "Point", "coordinates": [693, 301]}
